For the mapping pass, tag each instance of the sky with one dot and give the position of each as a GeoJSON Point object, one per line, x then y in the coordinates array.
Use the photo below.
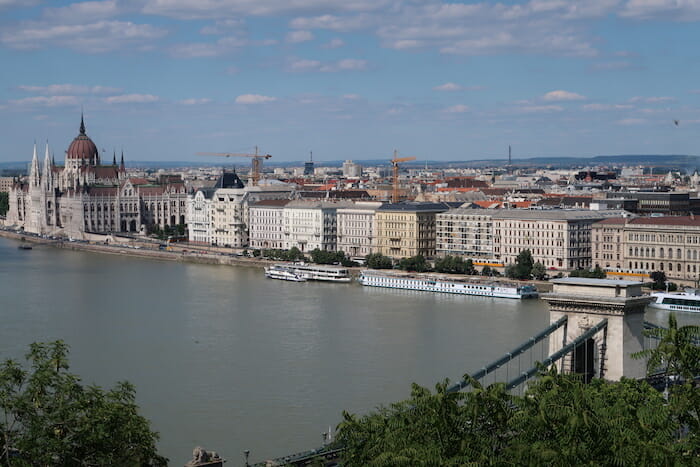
{"type": "Point", "coordinates": [350, 79]}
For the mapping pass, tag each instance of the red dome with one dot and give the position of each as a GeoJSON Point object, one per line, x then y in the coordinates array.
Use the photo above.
{"type": "Point", "coordinates": [82, 147]}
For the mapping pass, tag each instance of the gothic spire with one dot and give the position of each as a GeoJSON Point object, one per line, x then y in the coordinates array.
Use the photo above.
{"type": "Point", "coordinates": [82, 124]}
{"type": "Point", "coordinates": [121, 167]}
{"type": "Point", "coordinates": [34, 175]}
{"type": "Point", "coordinates": [114, 158]}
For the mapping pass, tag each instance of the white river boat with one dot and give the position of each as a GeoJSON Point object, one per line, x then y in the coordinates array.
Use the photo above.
{"type": "Point", "coordinates": [314, 272]}
{"type": "Point", "coordinates": [281, 273]}
{"type": "Point", "coordinates": [682, 301]}
{"type": "Point", "coordinates": [447, 284]}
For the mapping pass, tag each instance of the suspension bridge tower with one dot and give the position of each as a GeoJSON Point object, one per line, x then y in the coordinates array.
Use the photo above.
{"type": "Point", "coordinates": [616, 309]}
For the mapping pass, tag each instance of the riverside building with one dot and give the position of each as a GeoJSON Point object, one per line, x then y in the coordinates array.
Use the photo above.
{"type": "Point", "coordinates": [357, 229]}
{"type": "Point", "coordinates": [85, 195]}
{"type": "Point", "coordinates": [559, 239]}
{"type": "Point", "coordinates": [642, 245]}
{"type": "Point", "coordinates": [407, 229]}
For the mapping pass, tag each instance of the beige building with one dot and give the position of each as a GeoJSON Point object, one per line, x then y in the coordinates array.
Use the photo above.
{"type": "Point", "coordinates": [559, 239]}
{"type": "Point", "coordinates": [357, 229]}
{"type": "Point", "coordinates": [669, 243]}
{"type": "Point", "coordinates": [407, 229]}
{"type": "Point", "coordinates": [465, 232]}
{"type": "Point", "coordinates": [6, 184]}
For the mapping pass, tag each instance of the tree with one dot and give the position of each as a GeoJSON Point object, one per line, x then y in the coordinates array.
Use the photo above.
{"type": "Point", "coordinates": [450, 265]}
{"type": "Point", "coordinates": [378, 261]}
{"type": "Point", "coordinates": [4, 202]}
{"type": "Point", "coordinates": [52, 419]}
{"type": "Point", "coordinates": [539, 272]}
{"type": "Point", "coordinates": [659, 278]}
{"type": "Point", "coordinates": [596, 273]}
{"type": "Point", "coordinates": [414, 263]}
{"type": "Point", "coordinates": [522, 269]}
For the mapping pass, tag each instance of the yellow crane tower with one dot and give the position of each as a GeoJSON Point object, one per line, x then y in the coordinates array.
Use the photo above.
{"type": "Point", "coordinates": [395, 164]}
{"type": "Point", "coordinates": [257, 160]}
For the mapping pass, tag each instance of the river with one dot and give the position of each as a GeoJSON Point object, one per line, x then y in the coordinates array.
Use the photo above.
{"type": "Point", "coordinates": [223, 358]}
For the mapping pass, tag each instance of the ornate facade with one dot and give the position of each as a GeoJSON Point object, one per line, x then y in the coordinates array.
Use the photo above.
{"type": "Point", "coordinates": [86, 196]}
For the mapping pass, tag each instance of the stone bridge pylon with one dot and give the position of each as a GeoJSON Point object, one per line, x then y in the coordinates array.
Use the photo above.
{"type": "Point", "coordinates": [587, 303]}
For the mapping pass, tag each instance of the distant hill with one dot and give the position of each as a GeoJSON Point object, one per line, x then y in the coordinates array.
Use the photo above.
{"type": "Point", "coordinates": [671, 161]}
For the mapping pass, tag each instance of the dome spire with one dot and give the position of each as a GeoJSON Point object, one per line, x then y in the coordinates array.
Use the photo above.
{"type": "Point", "coordinates": [82, 123]}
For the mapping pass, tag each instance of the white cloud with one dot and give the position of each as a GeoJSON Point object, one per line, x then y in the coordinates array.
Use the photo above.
{"type": "Point", "coordinates": [222, 46]}
{"type": "Point", "coordinates": [96, 37]}
{"type": "Point", "coordinates": [254, 99]}
{"type": "Point", "coordinates": [456, 109]}
{"type": "Point", "coordinates": [50, 101]}
{"type": "Point", "coordinates": [347, 64]}
{"type": "Point", "coordinates": [675, 10]}
{"type": "Point", "coordinates": [17, 3]}
{"type": "Point", "coordinates": [64, 89]}
{"type": "Point", "coordinates": [200, 9]}
{"type": "Point", "coordinates": [652, 99]}
{"type": "Point", "coordinates": [83, 12]}
{"type": "Point", "coordinates": [448, 87]}
{"type": "Point", "coordinates": [604, 107]}
{"type": "Point", "coordinates": [334, 23]}
{"type": "Point", "coordinates": [559, 96]}
{"type": "Point", "coordinates": [540, 108]}
{"type": "Point", "coordinates": [296, 37]}
{"type": "Point", "coordinates": [351, 97]}
{"type": "Point", "coordinates": [131, 99]}
{"type": "Point", "coordinates": [222, 27]}
{"type": "Point", "coordinates": [194, 101]}
{"type": "Point", "coordinates": [334, 44]}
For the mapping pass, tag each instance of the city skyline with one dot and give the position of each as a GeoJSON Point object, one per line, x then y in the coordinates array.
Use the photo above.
{"type": "Point", "coordinates": [163, 80]}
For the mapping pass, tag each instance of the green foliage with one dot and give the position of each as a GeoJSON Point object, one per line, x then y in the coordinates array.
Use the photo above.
{"type": "Point", "coordinates": [596, 273]}
{"type": "Point", "coordinates": [4, 202]}
{"type": "Point", "coordinates": [454, 265]}
{"type": "Point", "coordinates": [414, 263]}
{"type": "Point", "coordinates": [539, 272]}
{"type": "Point", "coordinates": [522, 269]}
{"type": "Point", "coordinates": [51, 419]}
{"type": "Point", "coordinates": [378, 261]}
{"type": "Point", "coordinates": [293, 254]}
{"type": "Point", "coordinates": [659, 278]}
{"type": "Point", "coordinates": [331, 257]}
{"type": "Point", "coordinates": [487, 271]}
{"type": "Point", "coordinates": [559, 421]}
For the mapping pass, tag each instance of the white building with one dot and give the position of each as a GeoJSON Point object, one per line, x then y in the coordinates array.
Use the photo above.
{"type": "Point", "coordinates": [221, 213]}
{"type": "Point", "coordinates": [308, 225]}
{"type": "Point", "coordinates": [351, 169]}
{"type": "Point", "coordinates": [266, 219]}
{"type": "Point", "coordinates": [357, 229]}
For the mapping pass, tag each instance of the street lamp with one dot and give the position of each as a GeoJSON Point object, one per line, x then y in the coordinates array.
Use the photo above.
{"type": "Point", "coordinates": [246, 453]}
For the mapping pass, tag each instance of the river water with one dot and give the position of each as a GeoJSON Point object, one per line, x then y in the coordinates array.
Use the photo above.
{"type": "Point", "coordinates": [223, 358]}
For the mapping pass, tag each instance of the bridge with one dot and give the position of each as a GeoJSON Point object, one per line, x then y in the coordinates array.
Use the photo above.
{"type": "Point", "coordinates": [595, 327]}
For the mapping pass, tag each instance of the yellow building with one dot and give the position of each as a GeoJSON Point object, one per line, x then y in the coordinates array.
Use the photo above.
{"type": "Point", "coordinates": [407, 229]}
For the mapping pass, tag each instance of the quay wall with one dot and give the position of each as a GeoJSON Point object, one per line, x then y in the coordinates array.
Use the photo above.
{"type": "Point", "coordinates": [179, 252]}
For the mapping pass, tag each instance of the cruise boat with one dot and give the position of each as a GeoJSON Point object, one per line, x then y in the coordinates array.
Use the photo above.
{"type": "Point", "coordinates": [282, 273]}
{"type": "Point", "coordinates": [682, 301]}
{"type": "Point", "coordinates": [313, 272]}
{"type": "Point", "coordinates": [446, 284]}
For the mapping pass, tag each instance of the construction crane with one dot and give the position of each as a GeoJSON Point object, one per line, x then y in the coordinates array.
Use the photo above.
{"type": "Point", "coordinates": [395, 164]}
{"type": "Point", "coordinates": [257, 160]}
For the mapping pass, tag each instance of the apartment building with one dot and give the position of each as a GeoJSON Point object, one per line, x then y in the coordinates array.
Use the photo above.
{"type": "Point", "coordinates": [308, 225]}
{"type": "Point", "coordinates": [266, 219]}
{"type": "Point", "coordinates": [465, 232]}
{"type": "Point", "coordinates": [670, 244]}
{"type": "Point", "coordinates": [408, 229]}
{"type": "Point", "coordinates": [357, 228]}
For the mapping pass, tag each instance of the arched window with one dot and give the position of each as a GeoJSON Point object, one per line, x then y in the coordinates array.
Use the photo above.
{"type": "Point", "coordinates": [661, 252]}
{"type": "Point", "coordinates": [679, 253]}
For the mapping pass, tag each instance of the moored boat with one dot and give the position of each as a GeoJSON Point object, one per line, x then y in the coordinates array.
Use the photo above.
{"type": "Point", "coordinates": [447, 284]}
{"type": "Point", "coordinates": [282, 273]}
{"type": "Point", "coordinates": [681, 301]}
{"type": "Point", "coordinates": [314, 272]}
